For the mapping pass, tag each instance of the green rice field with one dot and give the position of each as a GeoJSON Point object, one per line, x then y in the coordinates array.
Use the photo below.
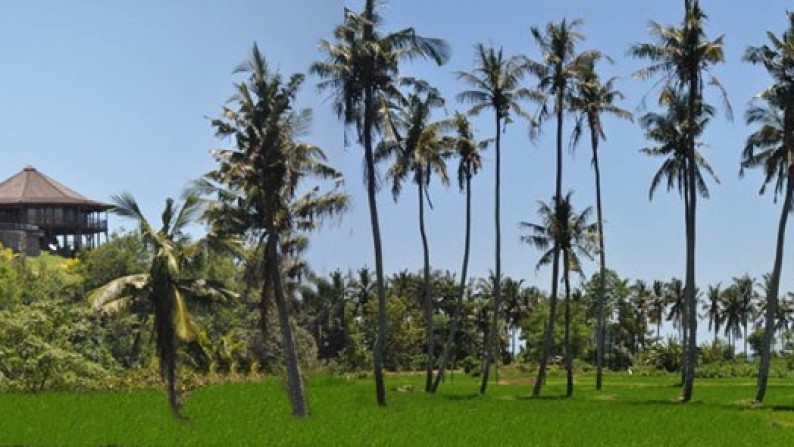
{"type": "Point", "coordinates": [630, 411]}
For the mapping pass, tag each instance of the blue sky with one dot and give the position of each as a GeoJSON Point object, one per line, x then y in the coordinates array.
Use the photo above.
{"type": "Point", "coordinates": [116, 96]}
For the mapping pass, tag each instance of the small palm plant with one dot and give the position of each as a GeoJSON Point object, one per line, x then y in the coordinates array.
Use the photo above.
{"type": "Point", "coordinates": [167, 285]}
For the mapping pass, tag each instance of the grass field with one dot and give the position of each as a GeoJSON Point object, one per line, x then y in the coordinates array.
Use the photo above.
{"type": "Point", "coordinates": [630, 411]}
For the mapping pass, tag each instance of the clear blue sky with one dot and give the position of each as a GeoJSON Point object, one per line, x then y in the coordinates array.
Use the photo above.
{"type": "Point", "coordinates": [115, 96]}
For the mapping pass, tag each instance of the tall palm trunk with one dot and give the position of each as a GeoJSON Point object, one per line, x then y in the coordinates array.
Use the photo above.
{"type": "Point", "coordinates": [380, 339]}
{"type": "Point", "coordinates": [602, 265]}
{"type": "Point", "coordinates": [297, 395]}
{"type": "Point", "coordinates": [426, 292]}
{"type": "Point", "coordinates": [491, 351]}
{"type": "Point", "coordinates": [690, 300]}
{"type": "Point", "coordinates": [774, 288]}
{"type": "Point", "coordinates": [568, 347]}
{"type": "Point", "coordinates": [548, 341]}
{"type": "Point", "coordinates": [456, 320]}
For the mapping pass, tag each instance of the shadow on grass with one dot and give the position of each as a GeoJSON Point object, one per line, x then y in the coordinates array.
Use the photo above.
{"type": "Point", "coordinates": [752, 405]}
{"type": "Point", "coordinates": [461, 397]}
{"type": "Point", "coordinates": [663, 402]}
{"type": "Point", "coordinates": [542, 398]}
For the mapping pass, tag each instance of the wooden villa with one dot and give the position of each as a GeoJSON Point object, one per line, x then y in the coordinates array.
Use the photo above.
{"type": "Point", "coordinates": [38, 214]}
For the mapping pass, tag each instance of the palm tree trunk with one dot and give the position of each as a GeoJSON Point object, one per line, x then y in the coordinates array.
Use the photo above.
{"type": "Point", "coordinates": [746, 354]}
{"type": "Point", "coordinates": [490, 350]}
{"type": "Point", "coordinates": [166, 347]}
{"type": "Point", "coordinates": [380, 339]}
{"type": "Point", "coordinates": [555, 271]}
{"type": "Point", "coordinates": [295, 389]}
{"type": "Point", "coordinates": [772, 293]}
{"type": "Point", "coordinates": [602, 266]}
{"type": "Point", "coordinates": [690, 301]}
{"type": "Point", "coordinates": [453, 329]}
{"type": "Point", "coordinates": [568, 347]}
{"type": "Point", "coordinates": [426, 293]}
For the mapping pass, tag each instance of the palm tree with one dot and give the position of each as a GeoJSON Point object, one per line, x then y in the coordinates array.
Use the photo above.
{"type": "Point", "coordinates": [745, 289]}
{"type": "Point", "coordinates": [167, 284]}
{"type": "Point", "coordinates": [682, 57]}
{"type": "Point", "coordinates": [772, 148]}
{"type": "Point", "coordinates": [713, 309]}
{"type": "Point", "coordinates": [641, 297]}
{"type": "Point", "coordinates": [418, 150]}
{"type": "Point", "coordinates": [732, 315]}
{"type": "Point", "coordinates": [260, 185]}
{"type": "Point", "coordinates": [514, 309]}
{"type": "Point", "coordinates": [675, 297]}
{"type": "Point", "coordinates": [469, 162]}
{"type": "Point", "coordinates": [657, 307]}
{"type": "Point", "coordinates": [361, 70]}
{"type": "Point", "coordinates": [592, 99]}
{"type": "Point", "coordinates": [560, 69]}
{"type": "Point", "coordinates": [495, 84]}
{"type": "Point", "coordinates": [572, 234]}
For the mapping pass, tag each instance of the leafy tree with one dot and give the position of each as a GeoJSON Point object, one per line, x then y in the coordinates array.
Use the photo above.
{"type": "Point", "coordinates": [495, 84]}
{"type": "Point", "coordinates": [361, 70]}
{"type": "Point", "coordinates": [52, 345]}
{"type": "Point", "coordinates": [682, 57]}
{"type": "Point", "coordinates": [574, 236]}
{"type": "Point", "coordinates": [11, 286]}
{"type": "Point", "coordinates": [771, 148]}
{"type": "Point", "coordinates": [123, 254]}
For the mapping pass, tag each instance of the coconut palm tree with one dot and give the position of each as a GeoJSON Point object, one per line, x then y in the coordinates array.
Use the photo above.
{"type": "Point", "coordinates": [658, 306]}
{"type": "Point", "coordinates": [682, 57]}
{"type": "Point", "coordinates": [261, 192]}
{"type": "Point", "coordinates": [732, 315]}
{"type": "Point", "coordinates": [641, 297]}
{"type": "Point", "coordinates": [418, 150]}
{"type": "Point", "coordinates": [668, 130]}
{"type": "Point", "coordinates": [674, 295]}
{"type": "Point", "coordinates": [167, 285]}
{"type": "Point", "coordinates": [745, 289]}
{"type": "Point", "coordinates": [572, 234]}
{"type": "Point", "coordinates": [557, 75]}
{"type": "Point", "coordinates": [591, 100]}
{"type": "Point", "coordinates": [713, 309]}
{"type": "Point", "coordinates": [771, 148]}
{"type": "Point", "coordinates": [495, 84]}
{"type": "Point", "coordinates": [361, 70]}
{"type": "Point", "coordinates": [468, 150]}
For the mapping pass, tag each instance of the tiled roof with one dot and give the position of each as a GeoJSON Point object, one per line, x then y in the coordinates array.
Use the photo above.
{"type": "Point", "coordinates": [30, 186]}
